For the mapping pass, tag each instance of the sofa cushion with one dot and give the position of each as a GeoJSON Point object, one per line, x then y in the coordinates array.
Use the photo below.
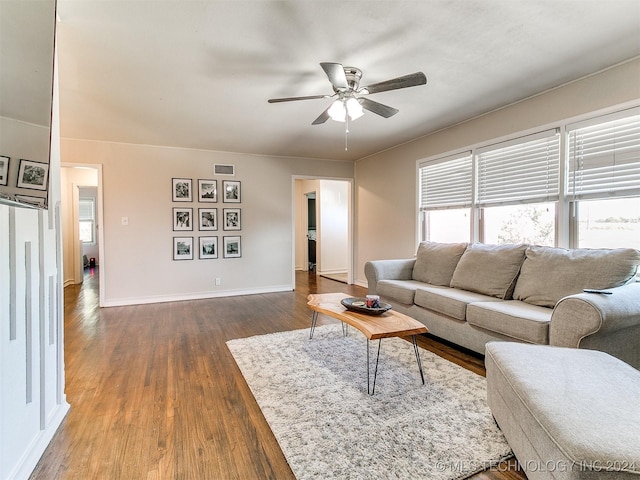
{"type": "Point", "coordinates": [446, 300]}
{"type": "Point", "coordinates": [489, 269]}
{"type": "Point", "coordinates": [513, 318]}
{"type": "Point", "coordinates": [401, 291]}
{"type": "Point", "coordinates": [549, 274]}
{"type": "Point", "coordinates": [435, 262]}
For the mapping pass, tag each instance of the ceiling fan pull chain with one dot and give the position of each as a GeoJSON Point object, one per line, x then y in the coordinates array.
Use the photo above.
{"type": "Point", "coordinates": [346, 131]}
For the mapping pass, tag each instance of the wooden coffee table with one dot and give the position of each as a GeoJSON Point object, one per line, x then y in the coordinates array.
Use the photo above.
{"type": "Point", "coordinates": [374, 327]}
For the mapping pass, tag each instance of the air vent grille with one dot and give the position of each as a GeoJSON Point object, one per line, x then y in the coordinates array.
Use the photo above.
{"type": "Point", "coordinates": [219, 169]}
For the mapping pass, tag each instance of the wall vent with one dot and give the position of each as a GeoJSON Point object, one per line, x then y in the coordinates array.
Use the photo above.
{"type": "Point", "coordinates": [219, 169]}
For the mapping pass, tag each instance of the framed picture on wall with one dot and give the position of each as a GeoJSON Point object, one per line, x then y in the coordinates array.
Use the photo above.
{"type": "Point", "coordinates": [34, 201]}
{"type": "Point", "coordinates": [207, 191]}
{"type": "Point", "coordinates": [231, 218]}
{"type": "Point", "coordinates": [33, 175]}
{"type": "Point", "coordinates": [182, 218]}
{"type": "Point", "coordinates": [208, 247]}
{"type": "Point", "coordinates": [232, 248]}
{"type": "Point", "coordinates": [208, 218]}
{"type": "Point", "coordinates": [183, 248]}
{"type": "Point", "coordinates": [231, 190]}
{"type": "Point", "coordinates": [182, 189]}
{"type": "Point", "coordinates": [4, 170]}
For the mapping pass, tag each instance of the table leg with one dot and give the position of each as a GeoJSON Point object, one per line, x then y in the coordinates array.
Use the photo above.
{"type": "Point", "coordinates": [375, 372]}
{"type": "Point", "coordinates": [314, 320]}
{"type": "Point", "coordinates": [417, 350]}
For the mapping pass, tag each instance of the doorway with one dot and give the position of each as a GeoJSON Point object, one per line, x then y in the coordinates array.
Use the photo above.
{"type": "Point", "coordinates": [311, 231]}
{"type": "Point", "coordinates": [322, 234]}
{"type": "Point", "coordinates": [81, 181]}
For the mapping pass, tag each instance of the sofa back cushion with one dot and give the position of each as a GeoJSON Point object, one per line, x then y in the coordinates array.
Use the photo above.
{"type": "Point", "coordinates": [435, 262]}
{"type": "Point", "coordinates": [549, 274]}
{"type": "Point", "coordinates": [489, 269]}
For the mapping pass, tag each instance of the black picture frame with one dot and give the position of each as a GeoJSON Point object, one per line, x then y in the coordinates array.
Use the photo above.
{"type": "Point", "coordinates": [207, 190]}
{"type": "Point", "coordinates": [208, 248]}
{"type": "Point", "coordinates": [182, 189]}
{"type": "Point", "coordinates": [231, 219]}
{"type": "Point", "coordinates": [232, 247]}
{"type": "Point", "coordinates": [208, 219]}
{"type": "Point", "coordinates": [33, 175]}
{"type": "Point", "coordinates": [182, 219]}
{"type": "Point", "coordinates": [183, 248]}
{"type": "Point", "coordinates": [231, 191]}
{"type": "Point", "coordinates": [4, 169]}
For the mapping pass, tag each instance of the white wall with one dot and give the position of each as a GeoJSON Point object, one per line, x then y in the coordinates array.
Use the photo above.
{"type": "Point", "coordinates": [32, 400]}
{"type": "Point", "coordinates": [333, 200]}
{"type": "Point", "coordinates": [386, 183]}
{"type": "Point", "coordinates": [137, 258]}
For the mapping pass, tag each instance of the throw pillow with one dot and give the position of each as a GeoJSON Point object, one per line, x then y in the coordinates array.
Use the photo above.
{"type": "Point", "coordinates": [435, 262]}
{"type": "Point", "coordinates": [489, 269]}
{"type": "Point", "coordinates": [549, 274]}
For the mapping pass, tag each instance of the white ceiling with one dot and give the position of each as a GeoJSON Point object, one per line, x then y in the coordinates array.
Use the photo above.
{"type": "Point", "coordinates": [198, 74]}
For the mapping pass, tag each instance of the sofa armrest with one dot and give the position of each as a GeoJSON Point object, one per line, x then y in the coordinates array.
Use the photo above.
{"type": "Point", "coordinates": [583, 315]}
{"type": "Point", "coordinates": [376, 270]}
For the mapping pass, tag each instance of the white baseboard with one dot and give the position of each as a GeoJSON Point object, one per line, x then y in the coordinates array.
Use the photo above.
{"type": "Point", "coordinates": [32, 455]}
{"type": "Point", "coordinates": [120, 302]}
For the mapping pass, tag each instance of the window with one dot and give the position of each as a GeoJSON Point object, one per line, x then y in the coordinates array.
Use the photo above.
{"type": "Point", "coordinates": [445, 199]}
{"type": "Point", "coordinates": [604, 180]}
{"type": "Point", "coordinates": [578, 189]}
{"type": "Point", "coordinates": [518, 188]}
{"type": "Point", "coordinates": [86, 217]}
{"type": "Point", "coordinates": [609, 223]}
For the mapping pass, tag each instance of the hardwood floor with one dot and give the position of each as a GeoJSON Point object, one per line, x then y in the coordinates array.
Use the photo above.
{"type": "Point", "coordinates": [155, 393]}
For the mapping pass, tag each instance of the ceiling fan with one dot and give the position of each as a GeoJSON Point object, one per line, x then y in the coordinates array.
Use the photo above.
{"type": "Point", "coordinates": [349, 104]}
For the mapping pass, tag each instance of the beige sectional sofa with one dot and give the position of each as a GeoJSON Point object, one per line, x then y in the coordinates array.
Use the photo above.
{"type": "Point", "coordinates": [470, 294]}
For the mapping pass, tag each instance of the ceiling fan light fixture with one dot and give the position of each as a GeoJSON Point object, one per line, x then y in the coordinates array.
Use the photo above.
{"type": "Point", "coordinates": [338, 111]}
{"type": "Point", "coordinates": [340, 108]}
{"type": "Point", "coordinates": [354, 108]}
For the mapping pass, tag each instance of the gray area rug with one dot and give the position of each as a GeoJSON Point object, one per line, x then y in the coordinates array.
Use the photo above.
{"type": "Point", "coordinates": [313, 394]}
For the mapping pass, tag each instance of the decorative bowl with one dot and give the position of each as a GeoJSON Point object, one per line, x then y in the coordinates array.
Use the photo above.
{"type": "Point", "coordinates": [358, 304]}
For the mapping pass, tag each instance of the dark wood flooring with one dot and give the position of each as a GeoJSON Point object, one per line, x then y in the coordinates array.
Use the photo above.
{"type": "Point", "coordinates": [155, 393]}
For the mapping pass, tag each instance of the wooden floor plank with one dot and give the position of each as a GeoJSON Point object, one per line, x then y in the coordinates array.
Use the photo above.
{"type": "Point", "coordinates": [155, 393]}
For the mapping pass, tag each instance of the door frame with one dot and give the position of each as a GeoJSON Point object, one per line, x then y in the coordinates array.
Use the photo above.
{"type": "Point", "coordinates": [350, 222]}
{"type": "Point", "coordinates": [100, 220]}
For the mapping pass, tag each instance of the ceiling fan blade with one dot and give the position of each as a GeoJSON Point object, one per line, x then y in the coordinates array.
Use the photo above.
{"type": "Point", "coordinates": [378, 108]}
{"type": "Point", "coordinates": [336, 74]}
{"type": "Point", "coordinates": [292, 99]}
{"type": "Point", "coordinates": [324, 116]}
{"type": "Point", "coordinates": [411, 80]}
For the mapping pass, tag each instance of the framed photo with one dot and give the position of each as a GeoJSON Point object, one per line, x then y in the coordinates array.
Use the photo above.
{"type": "Point", "coordinates": [4, 170]}
{"type": "Point", "coordinates": [208, 218]}
{"type": "Point", "coordinates": [208, 247]}
{"type": "Point", "coordinates": [33, 201]}
{"type": "Point", "coordinates": [232, 248]}
{"type": "Point", "coordinates": [182, 219]}
{"type": "Point", "coordinates": [182, 190]}
{"type": "Point", "coordinates": [231, 192]}
{"type": "Point", "coordinates": [231, 218]}
{"type": "Point", "coordinates": [33, 175]}
{"type": "Point", "coordinates": [183, 248]}
{"type": "Point", "coordinates": [207, 191]}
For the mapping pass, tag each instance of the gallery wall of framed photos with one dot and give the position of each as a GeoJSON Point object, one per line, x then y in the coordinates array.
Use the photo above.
{"type": "Point", "coordinates": [193, 211]}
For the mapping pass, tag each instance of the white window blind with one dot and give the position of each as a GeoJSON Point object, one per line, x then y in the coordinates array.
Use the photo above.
{"type": "Point", "coordinates": [604, 159]}
{"type": "Point", "coordinates": [446, 183]}
{"type": "Point", "coordinates": [525, 170]}
{"type": "Point", "coordinates": [86, 209]}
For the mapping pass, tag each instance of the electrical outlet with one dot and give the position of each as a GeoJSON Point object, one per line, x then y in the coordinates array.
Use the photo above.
{"type": "Point", "coordinates": [217, 281]}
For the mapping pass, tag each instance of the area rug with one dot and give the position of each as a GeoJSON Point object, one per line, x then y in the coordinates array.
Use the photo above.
{"type": "Point", "coordinates": [313, 394]}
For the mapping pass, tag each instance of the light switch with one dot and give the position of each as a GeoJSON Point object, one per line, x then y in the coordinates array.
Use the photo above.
{"type": "Point", "coordinates": [125, 220]}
